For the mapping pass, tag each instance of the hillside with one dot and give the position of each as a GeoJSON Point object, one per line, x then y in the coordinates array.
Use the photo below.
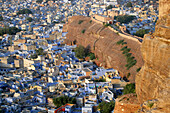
{"type": "Point", "coordinates": [103, 42]}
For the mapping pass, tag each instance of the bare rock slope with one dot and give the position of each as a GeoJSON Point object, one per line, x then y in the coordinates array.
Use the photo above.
{"type": "Point", "coordinates": [102, 42]}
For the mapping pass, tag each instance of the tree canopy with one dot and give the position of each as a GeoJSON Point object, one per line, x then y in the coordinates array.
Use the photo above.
{"type": "Point", "coordinates": [129, 88]}
{"type": "Point", "coordinates": [29, 19]}
{"type": "Point", "coordinates": [141, 32]}
{"type": "Point", "coordinates": [109, 7]}
{"type": "Point", "coordinates": [80, 51]}
{"type": "Point", "coordinates": [24, 11]}
{"type": "Point", "coordinates": [1, 18]}
{"type": "Point", "coordinates": [9, 30]}
{"type": "Point", "coordinates": [129, 4]}
{"type": "Point", "coordinates": [40, 51]}
{"type": "Point", "coordinates": [59, 101]}
{"type": "Point", "coordinates": [106, 107]}
{"type": "Point", "coordinates": [124, 18]}
{"type": "Point", "coordinates": [39, 1]}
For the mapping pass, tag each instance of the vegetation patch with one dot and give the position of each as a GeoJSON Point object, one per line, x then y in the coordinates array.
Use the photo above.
{"type": "Point", "coordinates": [124, 18]}
{"type": "Point", "coordinates": [1, 18]}
{"type": "Point", "coordinates": [141, 32]}
{"type": "Point", "coordinates": [100, 80]}
{"type": "Point", "coordinates": [138, 69]}
{"type": "Point", "coordinates": [9, 30]}
{"type": "Point", "coordinates": [130, 59]}
{"type": "Point", "coordinates": [59, 101]}
{"type": "Point", "coordinates": [24, 11]}
{"type": "Point", "coordinates": [150, 104]}
{"type": "Point", "coordinates": [29, 19]}
{"type": "Point", "coordinates": [129, 88]}
{"type": "Point", "coordinates": [119, 42]}
{"type": "Point", "coordinates": [90, 21]}
{"type": "Point", "coordinates": [80, 21]}
{"type": "Point", "coordinates": [92, 56]}
{"type": "Point", "coordinates": [83, 31]}
{"type": "Point", "coordinates": [82, 52]}
{"type": "Point", "coordinates": [128, 75]}
{"type": "Point", "coordinates": [38, 51]}
{"type": "Point", "coordinates": [106, 107]}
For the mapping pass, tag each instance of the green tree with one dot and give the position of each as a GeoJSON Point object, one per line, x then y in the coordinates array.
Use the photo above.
{"type": "Point", "coordinates": [40, 51]}
{"type": "Point", "coordinates": [109, 7]}
{"type": "Point", "coordinates": [138, 69]}
{"type": "Point", "coordinates": [24, 11]}
{"type": "Point", "coordinates": [62, 100]}
{"type": "Point", "coordinates": [80, 52]}
{"type": "Point", "coordinates": [106, 107]}
{"type": "Point", "coordinates": [39, 1]}
{"type": "Point", "coordinates": [124, 18]}
{"type": "Point", "coordinates": [9, 30]}
{"type": "Point", "coordinates": [92, 56]}
{"type": "Point", "coordinates": [129, 88]}
{"type": "Point", "coordinates": [83, 31]}
{"type": "Point", "coordinates": [141, 32]}
{"type": "Point", "coordinates": [129, 4]}
{"type": "Point", "coordinates": [1, 18]}
{"type": "Point", "coordinates": [29, 19]}
{"type": "Point", "coordinates": [120, 42]}
{"type": "Point", "coordinates": [80, 21]}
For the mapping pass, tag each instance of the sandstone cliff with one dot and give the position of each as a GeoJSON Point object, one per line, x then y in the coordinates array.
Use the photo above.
{"type": "Point", "coordinates": [102, 42]}
{"type": "Point", "coordinates": [153, 81]}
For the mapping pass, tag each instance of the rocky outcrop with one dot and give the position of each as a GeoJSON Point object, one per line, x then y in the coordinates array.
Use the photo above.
{"type": "Point", "coordinates": [153, 81]}
{"type": "Point", "coordinates": [126, 104]}
{"type": "Point", "coordinates": [102, 41]}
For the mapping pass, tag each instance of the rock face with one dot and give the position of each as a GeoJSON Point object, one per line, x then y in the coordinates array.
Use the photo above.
{"type": "Point", "coordinates": [102, 41]}
{"type": "Point", "coordinates": [126, 104]}
{"type": "Point", "coordinates": [153, 81]}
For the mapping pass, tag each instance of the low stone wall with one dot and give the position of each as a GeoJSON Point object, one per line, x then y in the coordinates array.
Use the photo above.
{"type": "Point", "coordinates": [125, 35]}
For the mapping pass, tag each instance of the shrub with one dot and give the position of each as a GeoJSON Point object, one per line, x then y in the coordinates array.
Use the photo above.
{"type": "Point", "coordinates": [128, 54]}
{"type": "Point", "coordinates": [92, 56]}
{"type": "Point", "coordinates": [107, 24]}
{"type": "Point", "coordinates": [83, 31]}
{"type": "Point", "coordinates": [126, 50]}
{"type": "Point", "coordinates": [117, 33]}
{"type": "Point", "coordinates": [120, 41]}
{"type": "Point", "coordinates": [138, 69]}
{"type": "Point", "coordinates": [106, 107]}
{"type": "Point", "coordinates": [123, 48]}
{"type": "Point", "coordinates": [129, 59]}
{"type": "Point", "coordinates": [131, 64]}
{"type": "Point", "coordinates": [150, 104]}
{"type": "Point", "coordinates": [128, 75]}
{"type": "Point", "coordinates": [124, 43]}
{"type": "Point", "coordinates": [129, 88]}
{"type": "Point", "coordinates": [80, 21]}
